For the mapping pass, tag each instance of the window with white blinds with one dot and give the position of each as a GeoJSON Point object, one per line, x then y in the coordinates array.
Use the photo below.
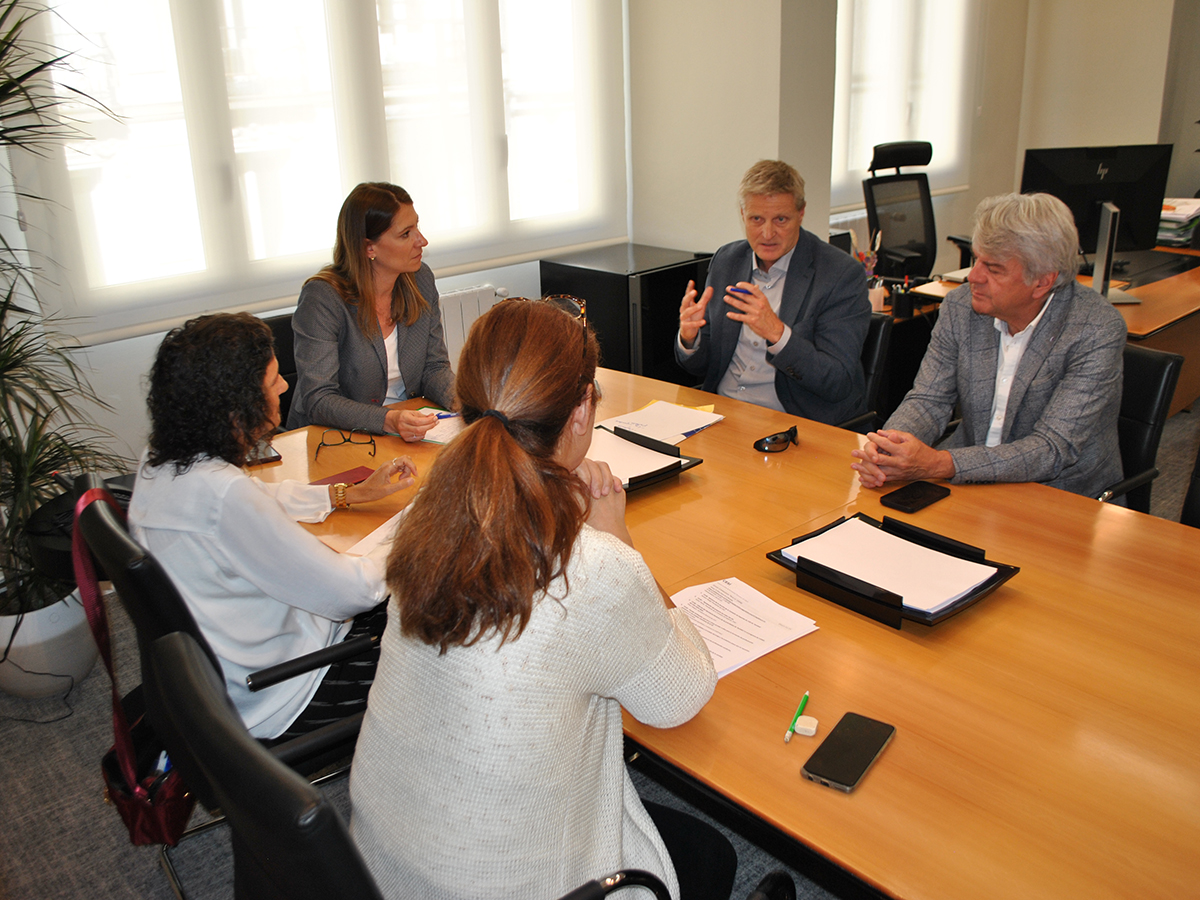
{"type": "Point", "coordinates": [905, 71]}
{"type": "Point", "coordinates": [238, 126]}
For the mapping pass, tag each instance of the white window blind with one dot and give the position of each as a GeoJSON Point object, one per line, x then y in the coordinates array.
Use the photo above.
{"type": "Point", "coordinates": [905, 71]}
{"type": "Point", "coordinates": [241, 125]}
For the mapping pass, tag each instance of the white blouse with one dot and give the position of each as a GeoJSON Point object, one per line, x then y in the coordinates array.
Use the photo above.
{"type": "Point", "coordinates": [262, 589]}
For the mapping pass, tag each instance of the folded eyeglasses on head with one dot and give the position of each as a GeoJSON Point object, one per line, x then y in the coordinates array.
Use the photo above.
{"type": "Point", "coordinates": [575, 307]}
{"type": "Point", "coordinates": [778, 442]}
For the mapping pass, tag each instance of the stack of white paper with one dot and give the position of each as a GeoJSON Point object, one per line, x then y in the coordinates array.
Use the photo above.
{"type": "Point", "coordinates": [738, 623]}
{"type": "Point", "coordinates": [666, 422]}
{"type": "Point", "coordinates": [927, 579]}
{"type": "Point", "coordinates": [626, 459]}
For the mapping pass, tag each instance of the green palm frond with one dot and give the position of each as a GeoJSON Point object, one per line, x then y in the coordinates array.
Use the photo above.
{"type": "Point", "coordinates": [45, 395]}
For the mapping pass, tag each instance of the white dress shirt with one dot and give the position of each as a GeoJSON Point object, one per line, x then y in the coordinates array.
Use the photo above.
{"type": "Point", "coordinates": [1012, 348]}
{"type": "Point", "coordinates": [262, 589]}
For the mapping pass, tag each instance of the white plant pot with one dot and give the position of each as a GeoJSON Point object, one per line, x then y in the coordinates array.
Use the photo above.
{"type": "Point", "coordinates": [55, 640]}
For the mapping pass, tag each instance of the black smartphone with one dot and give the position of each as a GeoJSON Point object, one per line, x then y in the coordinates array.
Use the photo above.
{"type": "Point", "coordinates": [917, 495]}
{"type": "Point", "coordinates": [847, 752]}
{"type": "Point", "coordinates": [263, 452]}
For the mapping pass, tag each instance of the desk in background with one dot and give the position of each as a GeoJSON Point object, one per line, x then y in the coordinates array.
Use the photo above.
{"type": "Point", "coordinates": [1047, 736]}
{"type": "Point", "coordinates": [1168, 318]}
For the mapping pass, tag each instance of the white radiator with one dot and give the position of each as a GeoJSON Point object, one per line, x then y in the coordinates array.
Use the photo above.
{"type": "Point", "coordinates": [460, 309]}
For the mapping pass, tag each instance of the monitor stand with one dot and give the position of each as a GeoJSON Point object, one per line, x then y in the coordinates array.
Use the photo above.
{"type": "Point", "coordinates": [1106, 243]}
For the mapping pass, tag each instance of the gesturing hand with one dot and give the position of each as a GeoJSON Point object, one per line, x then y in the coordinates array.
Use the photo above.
{"type": "Point", "coordinates": [691, 314]}
{"type": "Point", "coordinates": [754, 309]}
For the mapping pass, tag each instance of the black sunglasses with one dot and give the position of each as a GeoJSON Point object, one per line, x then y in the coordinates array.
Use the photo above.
{"type": "Point", "coordinates": [778, 442]}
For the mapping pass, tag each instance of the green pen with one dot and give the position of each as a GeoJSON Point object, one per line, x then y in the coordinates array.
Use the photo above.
{"type": "Point", "coordinates": [799, 709]}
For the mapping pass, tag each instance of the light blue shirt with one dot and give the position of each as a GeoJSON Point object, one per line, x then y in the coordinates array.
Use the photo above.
{"type": "Point", "coordinates": [749, 376]}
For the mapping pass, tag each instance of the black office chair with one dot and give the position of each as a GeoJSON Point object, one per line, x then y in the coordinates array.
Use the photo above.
{"type": "Point", "coordinates": [289, 843]}
{"type": "Point", "coordinates": [156, 609]}
{"type": "Point", "coordinates": [285, 355]}
{"type": "Point", "coordinates": [1149, 385]}
{"type": "Point", "coordinates": [874, 363]}
{"type": "Point", "coordinates": [900, 208]}
{"type": "Point", "coordinates": [1190, 515]}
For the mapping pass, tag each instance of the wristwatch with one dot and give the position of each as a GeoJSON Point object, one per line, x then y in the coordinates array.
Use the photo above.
{"type": "Point", "coordinates": [339, 496]}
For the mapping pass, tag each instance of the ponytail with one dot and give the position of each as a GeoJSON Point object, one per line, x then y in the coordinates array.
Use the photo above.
{"type": "Point", "coordinates": [497, 518]}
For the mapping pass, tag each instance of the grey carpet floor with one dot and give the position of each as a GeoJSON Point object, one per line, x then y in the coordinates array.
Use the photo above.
{"type": "Point", "coordinates": [59, 841]}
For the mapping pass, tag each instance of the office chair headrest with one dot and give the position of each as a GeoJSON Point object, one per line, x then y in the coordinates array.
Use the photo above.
{"type": "Point", "coordinates": [901, 153]}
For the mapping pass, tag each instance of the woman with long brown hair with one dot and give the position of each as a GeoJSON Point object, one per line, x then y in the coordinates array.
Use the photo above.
{"type": "Point", "coordinates": [490, 762]}
{"type": "Point", "coordinates": [367, 328]}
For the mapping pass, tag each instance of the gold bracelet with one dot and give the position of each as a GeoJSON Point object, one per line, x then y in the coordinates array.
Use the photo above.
{"type": "Point", "coordinates": [339, 496]}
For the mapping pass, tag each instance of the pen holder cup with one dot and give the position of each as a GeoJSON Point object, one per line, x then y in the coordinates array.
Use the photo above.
{"type": "Point", "coordinates": [877, 296]}
{"type": "Point", "coordinates": [902, 304]}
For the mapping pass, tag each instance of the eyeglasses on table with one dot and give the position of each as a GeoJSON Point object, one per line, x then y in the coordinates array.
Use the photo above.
{"type": "Point", "coordinates": [340, 437]}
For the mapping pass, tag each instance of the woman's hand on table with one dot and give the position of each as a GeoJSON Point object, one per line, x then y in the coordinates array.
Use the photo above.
{"type": "Point", "coordinates": [379, 484]}
{"type": "Point", "coordinates": [607, 511]}
{"type": "Point", "coordinates": [410, 424]}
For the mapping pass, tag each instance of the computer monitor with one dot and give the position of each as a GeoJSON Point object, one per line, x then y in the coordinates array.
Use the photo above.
{"type": "Point", "coordinates": [1132, 178]}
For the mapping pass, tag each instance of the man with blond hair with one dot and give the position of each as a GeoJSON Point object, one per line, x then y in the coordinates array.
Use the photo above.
{"type": "Point", "coordinates": [1032, 359]}
{"type": "Point", "coordinates": [789, 330]}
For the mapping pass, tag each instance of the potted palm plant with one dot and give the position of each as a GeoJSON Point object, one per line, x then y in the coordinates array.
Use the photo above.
{"type": "Point", "coordinates": [45, 645]}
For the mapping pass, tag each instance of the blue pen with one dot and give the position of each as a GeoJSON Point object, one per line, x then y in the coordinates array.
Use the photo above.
{"type": "Point", "coordinates": [445, 415]}
{"type": "Point", "coordinates": [734, 290]}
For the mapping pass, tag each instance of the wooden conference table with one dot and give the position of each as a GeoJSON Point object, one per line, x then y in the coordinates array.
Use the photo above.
{"type": "Point", "coordinates": [1168, 318]}
{"type": "Point", "coordinates": [1047, 737]}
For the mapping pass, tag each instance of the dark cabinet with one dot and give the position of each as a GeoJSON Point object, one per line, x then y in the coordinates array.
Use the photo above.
{"type": "Point", "coordinates": [633, 292]}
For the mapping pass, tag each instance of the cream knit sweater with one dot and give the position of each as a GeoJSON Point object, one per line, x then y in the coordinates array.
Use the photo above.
{"type": "Point", "coordinates": [497, 771]}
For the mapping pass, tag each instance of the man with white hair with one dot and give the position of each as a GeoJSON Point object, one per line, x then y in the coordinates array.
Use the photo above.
{"type": "Point", "coordinates": [1032, 359]}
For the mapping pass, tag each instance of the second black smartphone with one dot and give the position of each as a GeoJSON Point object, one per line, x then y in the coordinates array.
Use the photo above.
{"type": "Point", "coordinates": [848, 751]}
{"type": "Point", "coordinates": [917, 495]}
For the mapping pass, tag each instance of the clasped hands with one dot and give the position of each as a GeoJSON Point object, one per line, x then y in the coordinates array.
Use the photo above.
{"type": "Point", "coordinates": [899, 456]}
{"type": "Point", "coordinates": [752, 307]}
{"type": "Point", "coordinates": [607, 509]}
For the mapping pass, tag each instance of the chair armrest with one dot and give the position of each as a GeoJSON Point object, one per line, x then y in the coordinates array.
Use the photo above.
{"type": "Point", "coordinates": [963, 244]}
{"type": "Point", "coordinates": [264, 678]}
{"type": "Point", "coordinates": [868, 421]}
{"type": "Point", "coordinates": [335, 735]}
{"type": "Point", "coordinates": [624, 878]}
{"type": "Point", "coordinates": [1125, 485]}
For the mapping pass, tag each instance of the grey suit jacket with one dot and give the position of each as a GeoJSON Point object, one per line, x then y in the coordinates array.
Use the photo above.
{"type": "Point", "coordinates": [342, 375]}
{"type": "Point", "coordinates": [818, 373]}
{"type": "Point", "coordinates": [1061, 424]}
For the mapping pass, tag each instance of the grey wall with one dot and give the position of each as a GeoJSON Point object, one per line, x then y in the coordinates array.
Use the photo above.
{"type": "Point", "coordinates": [1181, 100]}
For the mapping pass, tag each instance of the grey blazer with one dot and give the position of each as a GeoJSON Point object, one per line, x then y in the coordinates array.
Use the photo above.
{"type": "Point", "coordinates": [342, 375]}
{"type": "Point", "coordinates": [818, 373]}
{"type": "Point", "coordinates": [1061, 425]}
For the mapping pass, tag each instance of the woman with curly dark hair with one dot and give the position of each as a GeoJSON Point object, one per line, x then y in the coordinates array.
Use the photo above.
{"type": "Point", "coordinates": [367, 328]}
{"type": "Point", "coordinates": [523, 620]}
{"type": "Point", "coordinates": [262, 589]}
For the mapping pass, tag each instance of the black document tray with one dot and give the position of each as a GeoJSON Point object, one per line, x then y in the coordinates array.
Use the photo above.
{"type": "Point", "coordinates": [641, 481]}
{"type": "Point", "coordinates": [876, 603]}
